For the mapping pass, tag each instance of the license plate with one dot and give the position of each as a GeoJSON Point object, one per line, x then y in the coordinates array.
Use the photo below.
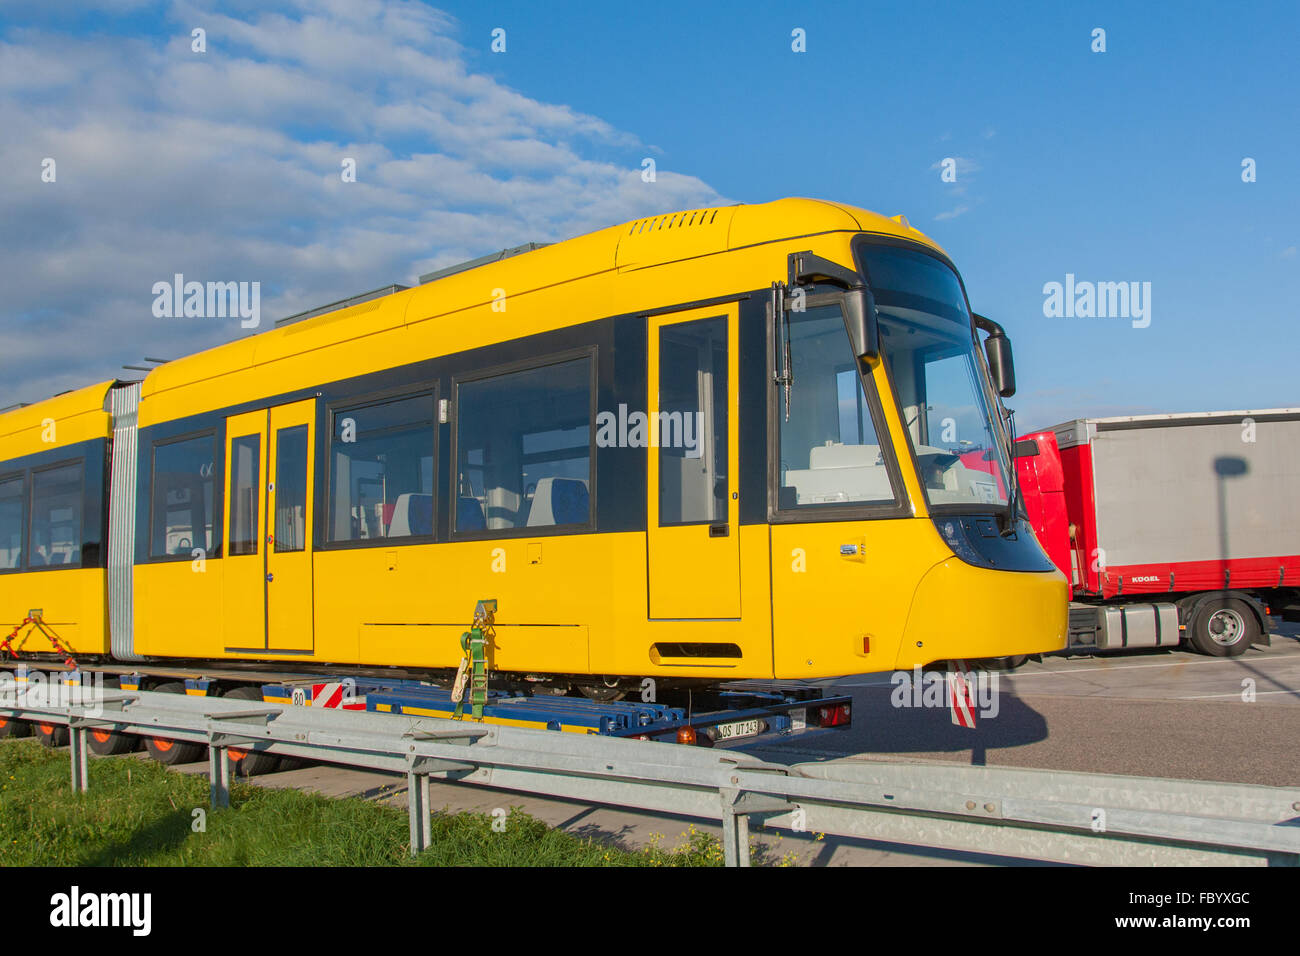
{"type": "Point", "coordinates": [740, 728]}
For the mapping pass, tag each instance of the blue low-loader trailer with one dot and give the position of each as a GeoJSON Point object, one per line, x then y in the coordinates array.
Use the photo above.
{"type": "Point", "coordinates": [735, 711]}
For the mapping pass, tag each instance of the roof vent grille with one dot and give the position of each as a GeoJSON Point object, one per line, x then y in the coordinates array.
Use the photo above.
{"type": "Point", "coordinates": [676, 220]}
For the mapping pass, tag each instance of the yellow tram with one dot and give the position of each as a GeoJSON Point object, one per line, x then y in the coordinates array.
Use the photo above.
{"type": "Point", "coordinates": [757, 441]}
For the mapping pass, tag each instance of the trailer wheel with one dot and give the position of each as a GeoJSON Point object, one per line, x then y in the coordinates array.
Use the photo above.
{"type": "Point", "coordinates": [172, 752]}
{"type": "Point", "coordinates": [107, 743]}
{"type": "Point", "coordinates": [52, 735]}
{"type": "Point", "coordinates": [1224, 628]}
{"type": "Point", "coordinates": [249, 763]}
{"type": "Point", "coordinates": [9, 727]}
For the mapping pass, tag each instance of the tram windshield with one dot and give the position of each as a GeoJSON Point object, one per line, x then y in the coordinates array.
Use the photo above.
{"type": "Point", "coordinates": [930, 354]}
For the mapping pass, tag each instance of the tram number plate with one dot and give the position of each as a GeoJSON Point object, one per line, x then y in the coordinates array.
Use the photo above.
{"type": "Point", "coordinates": [740, 728]}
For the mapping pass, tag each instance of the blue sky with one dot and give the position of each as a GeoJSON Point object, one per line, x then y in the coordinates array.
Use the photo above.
{"type": "Point", "coordinates": [1115, 166]}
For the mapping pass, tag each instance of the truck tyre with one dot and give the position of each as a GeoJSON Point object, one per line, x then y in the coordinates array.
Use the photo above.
{"type": "Point", "coordinates": [172, 752]}
{"type": "Point", "coordinates": [1224, 628]}
{"type": "Point", "coordinates": [249, 763]}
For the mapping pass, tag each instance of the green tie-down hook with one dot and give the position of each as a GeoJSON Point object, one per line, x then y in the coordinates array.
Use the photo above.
{"type": "Point", "coordinates": [473, 664]}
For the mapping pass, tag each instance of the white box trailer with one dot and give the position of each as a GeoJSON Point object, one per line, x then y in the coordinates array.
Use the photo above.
{"type": "Point", "coordinates": [1183, 525]}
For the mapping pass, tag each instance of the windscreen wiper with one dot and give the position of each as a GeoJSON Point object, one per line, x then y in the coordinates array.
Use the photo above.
{"type": "Point", "coordinates": [783, 374]}
{"type": "Point", "coordinates": [1013, 485]}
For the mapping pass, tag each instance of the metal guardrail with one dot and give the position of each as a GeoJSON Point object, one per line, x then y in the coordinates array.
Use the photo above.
{"type": "Point", "coordinates": [1028, 814]}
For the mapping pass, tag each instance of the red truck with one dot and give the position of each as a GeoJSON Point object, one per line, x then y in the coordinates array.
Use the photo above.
{"type": "Point", "coordinates": [1170, 527]}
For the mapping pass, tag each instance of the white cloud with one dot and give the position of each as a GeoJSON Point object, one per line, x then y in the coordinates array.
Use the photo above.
{"type": "Point", "coordinates": [953, 213]}
{"type": "Point", "coordinates": [225, 166]}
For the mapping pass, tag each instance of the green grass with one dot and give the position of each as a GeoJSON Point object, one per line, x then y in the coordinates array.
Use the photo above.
{"type": "Point", "coordinates": [138, 813]}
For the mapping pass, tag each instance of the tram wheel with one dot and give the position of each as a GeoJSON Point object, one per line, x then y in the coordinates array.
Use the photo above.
{"type": "Point", "coordinates": [609, 688]}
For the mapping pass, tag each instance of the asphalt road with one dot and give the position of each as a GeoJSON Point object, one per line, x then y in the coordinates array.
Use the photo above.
{"type": "Point", "coordinates": [1169, 713]}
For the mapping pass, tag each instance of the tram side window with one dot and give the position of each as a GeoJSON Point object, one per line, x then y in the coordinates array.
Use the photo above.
{"type": "Point", "coordinates": [56, 517]}
{"type": "Point", "coordinates": [245, 492]}
{"type": "Point", "coordinates": [523, 449]}
{"type": "Point", "coordinates": [693, 428]}
{"type": "Point", "coordinates": [381, 470]}
{"type": "Point", "coordinates": [13, 522]}
{"type": "Point", "coordinates": [182, 496]}
{"type": "Point", "coordinates": [291, 471]}
{"type": "Point", "coordinates": [830, 452]}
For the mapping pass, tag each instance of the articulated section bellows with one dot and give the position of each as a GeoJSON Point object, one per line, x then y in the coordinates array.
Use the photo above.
{"type": "Point", "coordinates": [124, 406]}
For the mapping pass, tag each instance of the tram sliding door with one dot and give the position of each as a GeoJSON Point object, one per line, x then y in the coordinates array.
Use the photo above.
{"type": "Point", "coordinates": [268, 563]}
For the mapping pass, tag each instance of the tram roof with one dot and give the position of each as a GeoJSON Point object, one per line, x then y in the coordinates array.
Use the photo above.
{"type": "Point", "coordinates": [642, 243]}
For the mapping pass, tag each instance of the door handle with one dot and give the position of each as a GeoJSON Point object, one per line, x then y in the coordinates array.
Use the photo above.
{"type": "Point", "coordinates": [719, 530]}
{"type": "Point", "coordinates": [852, 550]}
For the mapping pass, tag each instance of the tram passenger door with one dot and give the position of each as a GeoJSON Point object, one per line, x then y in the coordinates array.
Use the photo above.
{"type": "Point", "coordinates": [269, 491]}
{"type": "Point", "coordinates": [244, 560]}
{"type": "Point", "coordinates": [693, 462]}
{"type": "Point", "coordinates": [289, 528]}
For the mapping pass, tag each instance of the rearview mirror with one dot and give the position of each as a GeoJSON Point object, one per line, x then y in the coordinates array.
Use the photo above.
{"type": "Point", "coordinates": [864, 330]}
{"type": "Point", "coordinates": [997, 349]}
{"type": "Point", "coordinates": [859, 304]}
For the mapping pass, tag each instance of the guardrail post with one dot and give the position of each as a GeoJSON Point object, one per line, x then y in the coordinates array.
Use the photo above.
{"type": "Point", "coordinates": [219, 777]}
{"type": "Point", "coordinates": [735, 831]}
{"type": "Point", "coordinates": [417, 805]}
{"type": "Point", "coordinates": [77, 741]}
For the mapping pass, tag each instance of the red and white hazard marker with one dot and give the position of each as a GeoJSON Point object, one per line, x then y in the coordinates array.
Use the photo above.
{"type": "Point", "coordinates": [960, 701]}
{"type": "Point", "coordinates": [335, 694]}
